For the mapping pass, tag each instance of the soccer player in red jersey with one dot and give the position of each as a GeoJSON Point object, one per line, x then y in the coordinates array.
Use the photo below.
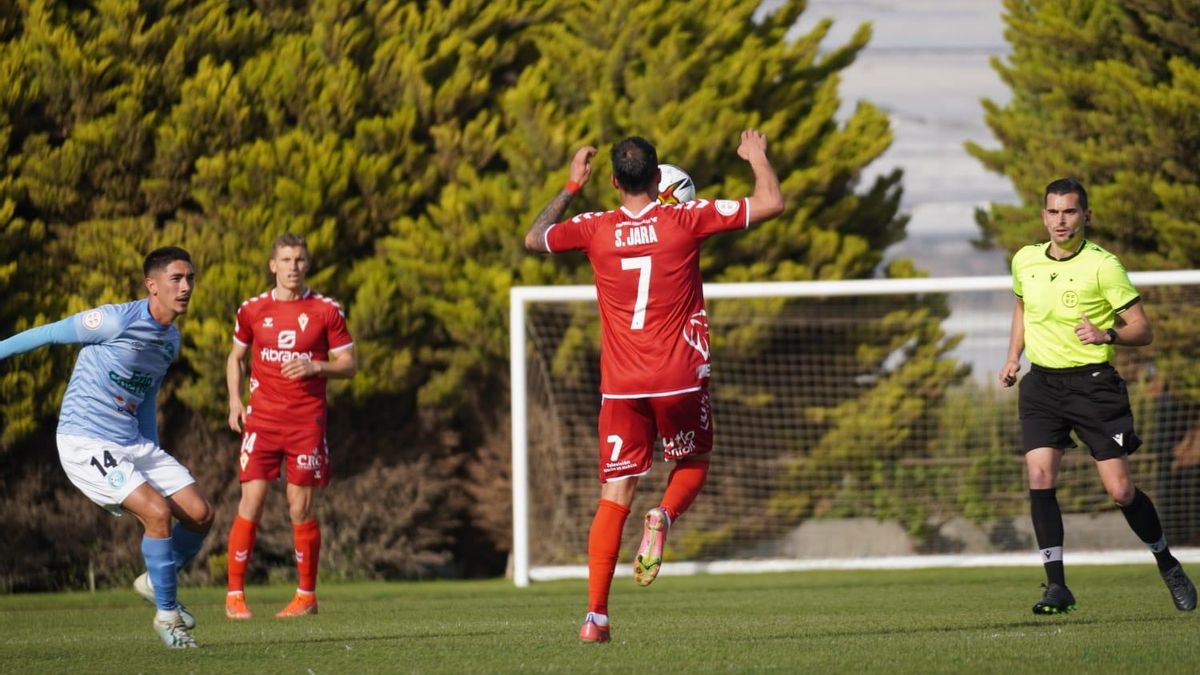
{"type": "Point", "coordinates": [296, 339]}
{"type": "Point", "coordinates": [654, 349]}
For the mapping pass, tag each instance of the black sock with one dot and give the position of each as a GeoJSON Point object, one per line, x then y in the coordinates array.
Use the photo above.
{"type": "Point", "coordinates": [1048, 528]}
{"type": "Point", "coordinates": [1143, 520]}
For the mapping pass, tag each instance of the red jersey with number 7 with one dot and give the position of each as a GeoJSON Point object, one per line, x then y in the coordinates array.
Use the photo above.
{"type": "Point", "coordinates": [277, 331]}
{"type": "Point", "coordinates": [653, 325]}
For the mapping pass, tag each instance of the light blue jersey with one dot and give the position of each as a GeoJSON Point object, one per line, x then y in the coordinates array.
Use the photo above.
{"type": "Point", "coordinates": [111, 395]}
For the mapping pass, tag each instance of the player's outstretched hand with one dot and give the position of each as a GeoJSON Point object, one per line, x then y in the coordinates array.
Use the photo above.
{"type": "Point", "coordinates": [581, 164]}
{"type": "Point", "coordinates": [1087, 332]}
{"type": "Point", "coordinates": [752, 143]}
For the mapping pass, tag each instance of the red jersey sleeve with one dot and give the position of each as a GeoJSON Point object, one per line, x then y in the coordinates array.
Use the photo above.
{"type": "Point", "coordinates": [572, 235]}
{"type": "Point", "coordinates": [242, 332]}
{"type": "Point", "coordinates": [336, 332]}
{"type": "Point", "coordinates": [708, 217]}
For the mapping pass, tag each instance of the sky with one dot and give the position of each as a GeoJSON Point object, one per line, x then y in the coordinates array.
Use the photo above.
{"type": "Point", "coordinates": [927, 65]}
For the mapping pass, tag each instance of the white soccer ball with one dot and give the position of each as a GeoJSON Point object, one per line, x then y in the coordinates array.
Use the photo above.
{"type": "Point", "coordinates": [674, 185]}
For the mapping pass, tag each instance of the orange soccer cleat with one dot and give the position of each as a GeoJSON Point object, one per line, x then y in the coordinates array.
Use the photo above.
{"type": "Point", "coordinates": [235, 606]}
{"type": "Point", "coordinates": [301, 604]}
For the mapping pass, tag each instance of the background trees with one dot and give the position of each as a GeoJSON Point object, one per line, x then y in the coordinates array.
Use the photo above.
{"type": "Point", "coordinates": [411, 143]}
{"type": "Point", "coordinates": [1108, 91]}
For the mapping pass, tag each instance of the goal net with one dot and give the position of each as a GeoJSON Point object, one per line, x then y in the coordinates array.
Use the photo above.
{"type": "Point", "coordinates": [856, 421]}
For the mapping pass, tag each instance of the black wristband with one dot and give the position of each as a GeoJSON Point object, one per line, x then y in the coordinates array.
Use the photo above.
{"type": "Point", "coordinates": [1112, 336]}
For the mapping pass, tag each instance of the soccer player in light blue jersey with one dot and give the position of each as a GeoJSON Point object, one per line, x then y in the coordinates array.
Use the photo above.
{"type": "Point", "coordinates": [107, 428]}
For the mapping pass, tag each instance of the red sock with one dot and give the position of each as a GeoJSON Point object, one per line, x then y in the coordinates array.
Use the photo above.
{"type": "Point", "coordinates": [241, 545]}
{"type": "Point", "coordinates": [604, 543]}
{"type": "Point", "coordinates": [307, 537]}
{"type": "Point", "coordinates": [686, 481]}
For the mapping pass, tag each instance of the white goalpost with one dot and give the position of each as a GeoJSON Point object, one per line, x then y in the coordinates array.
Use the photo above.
{"type": "Point", "coordinates": [858, 424]}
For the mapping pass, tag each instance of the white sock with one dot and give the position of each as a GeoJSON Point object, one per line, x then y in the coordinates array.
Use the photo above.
{"type": "Point", "coordinates": [598, 619]}
{"type": "Point", "coordinates": [166, 615]}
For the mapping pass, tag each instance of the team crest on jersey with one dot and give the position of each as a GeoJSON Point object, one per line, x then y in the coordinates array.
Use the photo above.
{"type": "Point", "coordinates": [93, 319]}
{"type": "Point", "coordinates": [116, 479]}
{"type": "Point", "coordinates": [268, 322]}
{"type": "Point", "coordinates": [1070, 299]}
{"type": "Point", "coordinates": [695, 333]}
{"type": "Point", "coordinates": [303, 320]}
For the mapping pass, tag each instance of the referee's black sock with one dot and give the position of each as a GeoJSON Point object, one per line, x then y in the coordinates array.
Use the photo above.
{"type": "Point", "coordinates": [1048, 528]}
{"type": "Point", "coordinates": [1143, 520]}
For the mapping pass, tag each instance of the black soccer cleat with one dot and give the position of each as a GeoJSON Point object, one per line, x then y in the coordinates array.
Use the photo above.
{"type": "Point", "coordinates": [1056, 600]}
{"type": "Point", "coordinates": [1182, 590]}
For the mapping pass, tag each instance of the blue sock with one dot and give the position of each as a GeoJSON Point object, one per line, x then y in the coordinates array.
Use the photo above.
{"type": "Point", "coordinates": [185, 544]}
{"type": "Point", "coordinates": [160, 565]}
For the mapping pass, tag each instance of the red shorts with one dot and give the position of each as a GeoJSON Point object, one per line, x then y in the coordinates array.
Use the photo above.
{"type": "Point", "coordinates": [629, 428]}
{"type": "Point", "coordinates": [304, 449]}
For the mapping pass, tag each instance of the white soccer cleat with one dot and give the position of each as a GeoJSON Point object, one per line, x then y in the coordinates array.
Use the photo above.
{"type": "Point", "coordinates": [174, 634]}
{"type": "Point", "coordinates": [143, 587]}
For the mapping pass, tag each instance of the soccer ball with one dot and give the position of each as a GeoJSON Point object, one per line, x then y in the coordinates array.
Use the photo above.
{"type": "Point", "coordinates": [675, 186]}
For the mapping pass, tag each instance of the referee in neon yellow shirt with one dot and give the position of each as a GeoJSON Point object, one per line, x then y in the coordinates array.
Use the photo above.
{"type": "Point", "coordinates": [1074, 301]}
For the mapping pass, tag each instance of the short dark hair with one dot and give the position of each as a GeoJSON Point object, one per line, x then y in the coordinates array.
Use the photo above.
{"type": "Point", "coordinates": [288, 239]}
{"type": "Point", "coordinates": [635, 163]}
{"type": "Point", "coordinates": [1066, 186]}
{"type": "Point", "coordinates": [159, 258]}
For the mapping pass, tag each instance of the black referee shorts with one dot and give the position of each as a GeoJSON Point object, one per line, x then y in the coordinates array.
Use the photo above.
{"type": "Point", "coordinates": [1092, 400]}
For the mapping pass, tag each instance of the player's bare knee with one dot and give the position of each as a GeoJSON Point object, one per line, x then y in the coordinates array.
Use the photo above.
{"type": "Point", "coordinates": [1122, 492]}
{"type": "Point", "coordinates": [300, 513]}
{"type": "Point", "coordinates": [1040, 478]}
{"type": "Point", "coordinates": [155, 515]}
{"type": "Point", "coordinates": [251, 507]}
{"type": "Point", "coordinates": [201, 518]}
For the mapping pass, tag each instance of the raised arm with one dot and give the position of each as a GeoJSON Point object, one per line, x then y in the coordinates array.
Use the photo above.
{"type": "Point", "coordinates": [581, 171]}
{"type": "Point", "coordinates": [59, 332]}
{"type": "Point", "coordinates": [767, 199]}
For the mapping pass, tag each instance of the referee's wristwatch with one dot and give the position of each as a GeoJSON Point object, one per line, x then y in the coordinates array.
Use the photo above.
{"type": "Point", "coordinates": [1112, 336]}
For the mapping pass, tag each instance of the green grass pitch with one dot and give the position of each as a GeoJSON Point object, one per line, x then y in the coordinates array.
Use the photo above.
{"type": "Point", "coordinates": [923, 621]}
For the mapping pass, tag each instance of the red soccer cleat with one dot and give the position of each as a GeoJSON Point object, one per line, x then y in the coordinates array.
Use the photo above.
{"type": "Point", "coordinates": [592, 631]}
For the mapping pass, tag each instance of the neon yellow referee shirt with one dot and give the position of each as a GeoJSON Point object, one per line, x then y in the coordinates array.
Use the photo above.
{"type": "Point", "coordinates": [1057, 292]}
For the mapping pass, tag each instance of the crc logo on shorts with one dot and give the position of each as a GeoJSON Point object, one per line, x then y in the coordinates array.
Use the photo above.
{"type": "Point", "coordinates": [287, 339]}
{"type": "Point", "coordinates": [1070, 299]}
{"type": "Point", "coordinates": [93, 319]}
{"type": "Point", "coordinates": [310, 462]}
{"type": "Point", "coordinates": [116, 479]}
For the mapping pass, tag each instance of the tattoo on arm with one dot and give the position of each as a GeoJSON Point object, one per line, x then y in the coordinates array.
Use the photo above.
{"type": "Point", "coordinates": [536, 239]}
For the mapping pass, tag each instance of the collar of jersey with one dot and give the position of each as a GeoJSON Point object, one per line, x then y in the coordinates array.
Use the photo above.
{"type": "Point", "coordinates": [1082, 245]}
{"type": "Point", "coordinates": [307, 292]}
{"type": "Point", "coordinates": [641, 213]}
